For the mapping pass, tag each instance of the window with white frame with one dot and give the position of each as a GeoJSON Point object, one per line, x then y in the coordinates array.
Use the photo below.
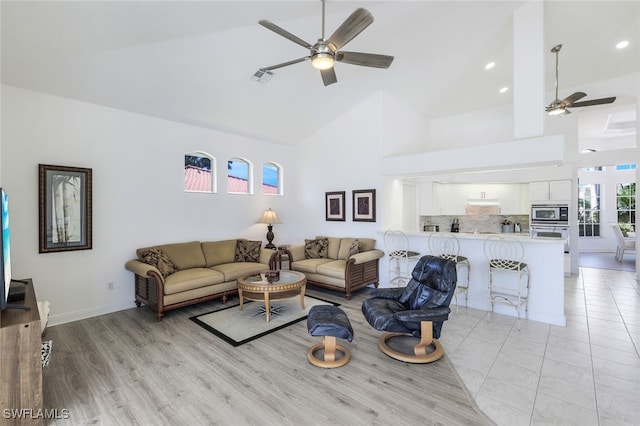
{"type": "Point", "coordinates": [239, 176]}
{"type": "Point", "coordinates": [271, 179]}
{"type": "Point", "coordinates": [589, 210]}
{"type": "Point", "coordinates": [626, 206]}
{"type": "Point", "coordinates": [199, 172]}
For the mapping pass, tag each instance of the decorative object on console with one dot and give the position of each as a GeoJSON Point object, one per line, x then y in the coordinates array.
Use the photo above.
{"type": "Point", "coordinates": [65, 208]}
{"type": "Point", "coordinates": [364, 205]}
{"type": "Point", "coordinates": [334, 206]}
{"type": "Point", "coordinates": [270, 218]}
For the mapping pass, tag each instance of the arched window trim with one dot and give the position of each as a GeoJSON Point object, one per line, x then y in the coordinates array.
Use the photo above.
{"type": "Point", "coordinates": [280, 182]}
{"type": "Point", "coordinates": [213, 171]}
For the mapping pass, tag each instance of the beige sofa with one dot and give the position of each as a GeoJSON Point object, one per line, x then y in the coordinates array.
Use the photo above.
{"type": "Point", "coordinates": [340, 264]}
{"type": "Point", "coordinates": [172, 276]}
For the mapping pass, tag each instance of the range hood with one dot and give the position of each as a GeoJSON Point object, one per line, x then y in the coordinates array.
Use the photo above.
{"type": "Point", "coordinates": [483, 202]}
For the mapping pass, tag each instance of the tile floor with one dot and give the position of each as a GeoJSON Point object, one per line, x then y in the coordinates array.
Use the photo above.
{"type": "Point", "coordinates": [587, 373]}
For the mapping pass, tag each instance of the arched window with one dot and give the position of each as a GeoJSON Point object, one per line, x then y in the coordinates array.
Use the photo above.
{"type": "Point", "coordinates": [200, 172]}
{"type": "Point", "coordinates": [239, 176]}
{"type": "Point", "coordinates": [271, 179]}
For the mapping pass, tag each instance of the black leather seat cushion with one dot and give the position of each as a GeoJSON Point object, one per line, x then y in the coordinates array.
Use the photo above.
{"type": "Point", "coordinates": [329, 320]}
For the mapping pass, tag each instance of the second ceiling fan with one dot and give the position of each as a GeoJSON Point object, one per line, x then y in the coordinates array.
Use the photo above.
{"type": "Point", "coordinates": [324, 53]}
{"type": "Point", "coordinates": [559, 107]}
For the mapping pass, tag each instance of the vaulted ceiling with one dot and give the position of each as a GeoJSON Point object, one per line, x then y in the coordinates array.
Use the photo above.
{"type": "Point", "coordinates": [192, 62]}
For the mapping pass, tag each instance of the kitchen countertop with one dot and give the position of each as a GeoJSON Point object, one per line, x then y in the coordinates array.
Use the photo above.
{"type": "Point", "coordinates": [480, 235]}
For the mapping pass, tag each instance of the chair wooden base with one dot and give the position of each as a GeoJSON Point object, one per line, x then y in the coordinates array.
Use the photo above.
{"type": "Point", "coordinates": [330, 348]}
{"type": "Point", "coordinates": [421, 353]}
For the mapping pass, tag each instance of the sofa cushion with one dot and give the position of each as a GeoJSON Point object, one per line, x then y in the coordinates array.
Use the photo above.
{"type": "Point", "coordinates": [334, 246]}
{"type": "Point", "coordinates": [335, 268]}
{"type": "Point", "coordinates": [247, 251]}
{"type": "Point", "coordinates": [217, 252]}
{"type": "Point", "coordinates": [316, 249]}
{"type": "Point", "coordinates": [189, 279]}
{"type": "Point", "coordinates": [183, 255]}
{"type": "Point", "coordinates": [345, 247]}
{"type": "Point", "coordinates": [232, 271]}
{"type": "Point", "coordinates": [309, 265]}
{"type": "Point", "coordinates": [159, 259]}
{"type": "Point", "coordinates": [367, 244]}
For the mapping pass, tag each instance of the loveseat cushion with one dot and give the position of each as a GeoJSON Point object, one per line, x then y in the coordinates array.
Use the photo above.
{"type": "Point", "coordinates": [247, 251]}
{"type": "Point", "coordinates": [334, 269]}
{"type": "Point", "coordinates": [189, 279]}
{"type": "Point", "coordinates": [232, 271]}
{"type": "Point", "coordinates": [367, 244]}
{"type": "Point", "coordinates": [183, 255]}
{"type": "Point", "coordinates": [345, 248]}
{"type": "Point", "coordinates": [217, 252]}
{"type": "Point", "coordinates": [334, 246]}
{"type": "Point", "coordinates": [316, 249]}
{"type": "Point", "coordinates": [309, 265]}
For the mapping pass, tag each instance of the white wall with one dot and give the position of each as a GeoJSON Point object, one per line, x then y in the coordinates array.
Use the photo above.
{"type": "Point", "coordinates": [138, 195]}
{"type": "Point", "coordinates": [343, 156]}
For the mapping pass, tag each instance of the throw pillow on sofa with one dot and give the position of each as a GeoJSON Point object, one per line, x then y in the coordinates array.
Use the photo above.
{"type": "Point", "coordinates": [159, 259]}
{"type": "Point", "coordinates": [248, 251]}
{"type": "Point", "coordinates": [354, 248]}
{"type": "Point", "coordinates": [316, 249]}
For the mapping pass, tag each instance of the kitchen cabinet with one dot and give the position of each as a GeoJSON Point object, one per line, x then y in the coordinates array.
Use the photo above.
{"type": "Point", "coordinates": [454, 199]}
{"type": "Point", "coordinates": [553, 190]}
{"type": "Point", "coordinates": [482, 191]}
{"type": "Point", "coordinates": [430, 199]}
{"type": "Point", "coordinates": [514, 198]}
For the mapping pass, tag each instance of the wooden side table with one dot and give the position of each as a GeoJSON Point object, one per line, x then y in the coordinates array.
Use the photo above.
{"type": "Point", "coordinates": [282, 255]}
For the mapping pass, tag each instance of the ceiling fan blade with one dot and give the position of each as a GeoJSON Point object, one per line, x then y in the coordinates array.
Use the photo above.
{"type": "Point", "coordinates": [593, 102]}
{"type": "Point", "coordinates": [284, 64]}
{"type": "Point", "coordinates": [365, 59]}
{"type": "Point", "coordinates": [351, 27]}
{"type": "Point", "coordinates": [284, 33]}
{"type": "Point", "coordinates": [569, 100]}
{"type": "Point", "coordinates": [329, 76]}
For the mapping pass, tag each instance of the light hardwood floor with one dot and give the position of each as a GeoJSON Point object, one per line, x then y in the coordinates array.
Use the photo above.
{"type": "Point", "coordinates": [125, 368]}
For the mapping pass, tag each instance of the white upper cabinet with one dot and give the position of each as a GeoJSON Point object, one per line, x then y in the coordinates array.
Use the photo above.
{"type": "Point", "coordinates": [482, 191]}
{"type": "Point", "coordinates": [554, 190]}
{"type": "Point", "coordinates": [454, 199]}
{"type": "Point", "coordinates": [430, 199]}
{"type": "Point", "coordinates": [514, 198]}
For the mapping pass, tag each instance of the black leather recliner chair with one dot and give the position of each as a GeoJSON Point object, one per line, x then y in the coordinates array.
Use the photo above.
{"type": "Point", "coordinates": [415, 312]}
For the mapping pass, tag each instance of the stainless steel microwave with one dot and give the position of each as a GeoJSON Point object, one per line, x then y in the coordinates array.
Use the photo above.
{"type": "Point", "coordinates": [550, 213]}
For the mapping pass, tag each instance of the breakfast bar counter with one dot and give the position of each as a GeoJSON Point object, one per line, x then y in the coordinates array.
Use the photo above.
{"type": "Point", "coordinates": [545, 258]}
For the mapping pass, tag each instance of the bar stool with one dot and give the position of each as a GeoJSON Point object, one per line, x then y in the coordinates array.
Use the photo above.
{"type": "Point", "coordinates": [396, 244]}
{"type": "Point", "coordinates": [505, 256]}
{"type": "Point", "coordinates": [447, 246]}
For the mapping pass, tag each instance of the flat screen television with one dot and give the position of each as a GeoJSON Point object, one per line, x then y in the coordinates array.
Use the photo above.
{"type": "Point", "coordinates": [5, 260]}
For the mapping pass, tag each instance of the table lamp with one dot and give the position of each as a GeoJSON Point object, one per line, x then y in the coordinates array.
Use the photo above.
{"type": "Point", "coordinates": [269, 217]}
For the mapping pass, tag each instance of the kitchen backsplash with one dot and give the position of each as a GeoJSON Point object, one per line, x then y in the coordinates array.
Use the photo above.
{"type": "Point", "coordinates": [477, 223]}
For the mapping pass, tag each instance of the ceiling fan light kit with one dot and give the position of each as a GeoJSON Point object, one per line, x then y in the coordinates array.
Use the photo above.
{"type": "Point", "coordinates": [559, 107]}
{"type": "Point", "coordinates": [325, 53]}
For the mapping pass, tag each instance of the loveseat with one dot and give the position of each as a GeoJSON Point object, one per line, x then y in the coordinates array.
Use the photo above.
{"type": "Point", "coordinates": [340, 264]}
{"type": "Point", "coordinates": [172, 276]}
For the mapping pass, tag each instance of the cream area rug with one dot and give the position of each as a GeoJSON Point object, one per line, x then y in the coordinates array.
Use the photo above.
{"type": "Point", "coordinates": [237, 327]}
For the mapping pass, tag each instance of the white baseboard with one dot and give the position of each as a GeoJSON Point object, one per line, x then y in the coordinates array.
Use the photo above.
{"type": "Point", "coordinates": [87, 313]}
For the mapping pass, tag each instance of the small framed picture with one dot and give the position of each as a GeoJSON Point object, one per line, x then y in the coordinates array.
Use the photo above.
{"type": "Point", "coordinates": [364, 205]}
{"type": "Point", "coordinates": [65, 208]}
{"type": "Point", "coordinates": [335, 205]}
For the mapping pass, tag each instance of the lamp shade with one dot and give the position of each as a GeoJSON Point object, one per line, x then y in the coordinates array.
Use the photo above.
{"type": "Point", "coordinates": [269, 217]}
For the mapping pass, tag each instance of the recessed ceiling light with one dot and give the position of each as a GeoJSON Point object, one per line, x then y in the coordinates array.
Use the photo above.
{"type": "Point", "coordinates": [622, 44]}
{"type": "Point", "coordinates": [489, 65]}
{"type": "Point", "coordinates": [585, 151]}
{"type": "Point", "coordinates": [504, 89]}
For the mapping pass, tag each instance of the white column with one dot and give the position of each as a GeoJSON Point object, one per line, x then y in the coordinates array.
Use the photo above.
{"type": "Point", "coordinates": [528, 70]}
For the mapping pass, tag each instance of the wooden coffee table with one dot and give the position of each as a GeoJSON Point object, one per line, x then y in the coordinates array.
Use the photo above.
{"type": "Point", "coordinates": [253, 287]}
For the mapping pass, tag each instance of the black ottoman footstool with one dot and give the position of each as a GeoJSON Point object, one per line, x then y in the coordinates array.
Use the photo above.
{"type": "Point", "coordinates": [330, 322]}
